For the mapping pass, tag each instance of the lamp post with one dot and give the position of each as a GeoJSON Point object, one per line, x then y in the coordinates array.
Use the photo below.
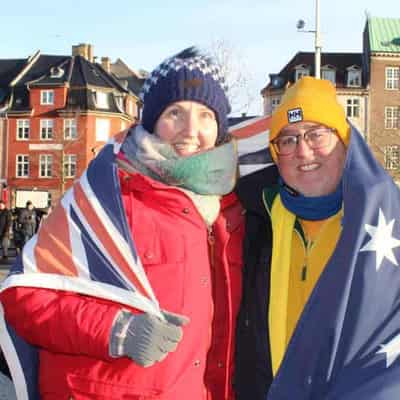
{"type": "Point", "coordinates": [317, 38]}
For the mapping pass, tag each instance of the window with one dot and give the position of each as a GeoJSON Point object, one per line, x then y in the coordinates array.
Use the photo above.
{"type": "Point", "coordinates": [70, 131]}
{"type": "Point", "coordinates": [102, 129]}
{"type": "Point", "coordinates": [275, 101]}
{"type": "Point", "coordinates": [392, 115]}
{"type": "Point", "coordinates": [354, 78]}
{"type": "Point", "coordinates": [22, 166]}
{"type": "Point", "coordinates": [392, 157]}
{"type": "Point", "coordinates": [46, 129]}
{"type": "Point", "coordinates": [353, 108]}
{"type": "Point", "coordinates": [46, 97]}
{"type": "Point", "coordinates": [45, 165]}
{"type": "Point", "coordinates": [23, 129]}
{"type": "Point", "coordinates": [70, 166]}
{"type": "Point", "coordinates": [300, 72]}
{"type": "Point", "coordinates": [392, 75]}
{"type": "Point", "coordinates": [101, 99]}
{"type": "Point", "coordinates": [119, 101]}
{"type": "Point", "coordinates": [56, 72]}
{"type": "Point", "coordinates": [329, 74]}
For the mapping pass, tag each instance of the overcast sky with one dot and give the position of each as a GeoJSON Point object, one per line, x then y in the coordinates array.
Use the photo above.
{"type": "Point", "coordinates": [144, 32]}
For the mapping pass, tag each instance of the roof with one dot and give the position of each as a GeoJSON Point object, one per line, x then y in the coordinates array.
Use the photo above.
{"type": "Point", "coordinates": [134, 80]}
{"type": "Point", "coordinates": [9, 69]}
{"type": "Point", "coordinates": [79, 74]}
{"type": "Point", "coordinates": [340, 61]}
{"type": "Point", "coordinates": [85, 73]}
{"type": "Point", "coordinates": [41, 67]}
{"type": "Point", "coordinates": [384, 34]}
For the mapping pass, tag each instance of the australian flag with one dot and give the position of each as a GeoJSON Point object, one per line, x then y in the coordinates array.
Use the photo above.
{"type": "Point", "coordinates": [347, 343]}
{"type": "Point", "coordinates": [84, 246]}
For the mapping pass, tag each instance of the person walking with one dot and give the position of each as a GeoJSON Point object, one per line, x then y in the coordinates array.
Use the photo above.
{"type": "Point", "coordinates": [5, 225]}
{"type": "Point", "coordinates": [28, 221]}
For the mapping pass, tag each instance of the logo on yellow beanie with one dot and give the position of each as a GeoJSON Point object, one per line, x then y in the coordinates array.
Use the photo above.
{"type": "Point", "coordinates": [295, 115]}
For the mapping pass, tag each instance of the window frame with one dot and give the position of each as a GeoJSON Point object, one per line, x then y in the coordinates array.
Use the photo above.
{"type": "Point", "coordinates": [47, 97]}
{"type": "Point", "coordinates": [48, 167]}
{"type": "Point", "coordinates": [102, 99]}
{"type": "Point", "coordinates": [101, 125]}
{"type": "Point", "coordinates": [354, 72]}
{"type": "Point", "coordinates": [23, 163]}
{"type": "Point", "coordinates": [393, 118]}
{"type": "Point", "coordinates": [25, 130]}
{"type": "Point", "coordinates": [395, 85]}
{"type": "Point", "coordinates": [353, 107]}
{"type": "Point", "coordinates": [67, 165]}
{"type": "Point", "coordinates": [70, 137]}
{"type": "Point", "coordinates": [327, 70]}
{"type": "Point", "coordinates": [275, 102]}
{"type": "Point", "coordinates": [300, 72]}
{"type": "Point", "coordinates": [392, 163]}
{"type": "Point", "coordinates": [46, 129]}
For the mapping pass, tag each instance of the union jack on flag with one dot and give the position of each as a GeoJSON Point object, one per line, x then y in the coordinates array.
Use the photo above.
{"type": "Point", "coordinates": [84, 246]}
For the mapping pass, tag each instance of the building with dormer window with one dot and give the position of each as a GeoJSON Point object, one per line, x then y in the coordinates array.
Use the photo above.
{"type": "Point", "coordinates": [59, 112]}
{"type": "Point", "coordinates": [344, 70]}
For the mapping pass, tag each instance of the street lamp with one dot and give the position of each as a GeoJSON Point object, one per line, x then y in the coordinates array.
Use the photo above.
{"type": "Point", "coordinates": [317, 36]}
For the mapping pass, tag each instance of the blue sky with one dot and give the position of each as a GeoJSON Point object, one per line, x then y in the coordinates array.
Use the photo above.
{"type": "Point", "coordinates": [143, 33]}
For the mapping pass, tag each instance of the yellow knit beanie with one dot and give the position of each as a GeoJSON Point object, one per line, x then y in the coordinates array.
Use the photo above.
{"type": "Point", "coordinates": [313, 100]}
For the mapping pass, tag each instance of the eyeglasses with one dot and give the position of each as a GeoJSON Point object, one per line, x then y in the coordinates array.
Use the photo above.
{"type": "Point", "coordinates": [316, 138]}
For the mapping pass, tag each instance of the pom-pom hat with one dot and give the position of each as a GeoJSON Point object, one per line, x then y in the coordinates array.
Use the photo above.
{"type": "Point", "coordinates": [191, 76]}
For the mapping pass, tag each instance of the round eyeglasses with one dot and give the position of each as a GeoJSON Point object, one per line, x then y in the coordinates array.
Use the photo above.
{"type": "Point", "coordinates": [316, 138]}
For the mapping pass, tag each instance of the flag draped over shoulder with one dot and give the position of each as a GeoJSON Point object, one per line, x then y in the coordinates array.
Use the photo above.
{"type": "Point", "coordinates": [84, 246]}
{"type": "Point", "coordinates": [347, 342]}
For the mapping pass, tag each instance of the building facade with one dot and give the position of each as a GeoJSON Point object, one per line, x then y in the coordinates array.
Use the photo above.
{"type": "Point", "coordinates": [61, 110]}
{"type": "Point", "coordinates": [382, 50]}
{"type": "Point", "coordinates": [344, 70]}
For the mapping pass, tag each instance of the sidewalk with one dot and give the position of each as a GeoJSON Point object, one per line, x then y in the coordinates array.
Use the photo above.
{"type": "Point", "coordinates": [5, 265]}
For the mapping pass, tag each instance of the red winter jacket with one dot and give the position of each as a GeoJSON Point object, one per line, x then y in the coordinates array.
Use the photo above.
{"type": "Point", "coordinates": [193, 271]}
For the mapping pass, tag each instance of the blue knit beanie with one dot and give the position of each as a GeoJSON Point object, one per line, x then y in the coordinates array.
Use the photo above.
{"type": "Point", "coordinates": [189, 75]}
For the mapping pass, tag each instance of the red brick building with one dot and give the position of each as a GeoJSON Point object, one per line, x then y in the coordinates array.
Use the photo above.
{"type": "Point", "coordinates": [382, 51]}
{"type": "Point", "coordinates": [60, 112]}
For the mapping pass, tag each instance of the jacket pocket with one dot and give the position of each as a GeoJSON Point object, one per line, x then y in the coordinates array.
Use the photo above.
{"type": "Point", "coordinates": [163, 256]}
{"type": "Point", "coordinates": [85, 389]}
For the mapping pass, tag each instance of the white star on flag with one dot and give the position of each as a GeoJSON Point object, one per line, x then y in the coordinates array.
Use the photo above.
{"type": "Point", "coordinates": [392, 350]}
{"type": "Point", "coordinates": [382, 241]}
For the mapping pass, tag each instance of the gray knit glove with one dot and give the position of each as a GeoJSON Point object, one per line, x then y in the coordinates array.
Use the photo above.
{"type": "Point", "coordinates": [145, 338]}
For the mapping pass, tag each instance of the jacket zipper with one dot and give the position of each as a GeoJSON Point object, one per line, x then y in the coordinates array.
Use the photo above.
{"type": "Point", "coordinates": [211, 244]}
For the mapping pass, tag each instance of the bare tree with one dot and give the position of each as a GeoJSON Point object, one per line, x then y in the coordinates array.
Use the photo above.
{"type": "Point", "coordinates": [236, 71]}
{"type": "Point", "coordinates": [380, 141]}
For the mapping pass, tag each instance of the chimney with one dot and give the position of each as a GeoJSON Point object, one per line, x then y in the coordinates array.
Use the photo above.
{"type": "Point", "coordinates": [106, 64]}
{"type": "Point", "coordinates": [83, 49]}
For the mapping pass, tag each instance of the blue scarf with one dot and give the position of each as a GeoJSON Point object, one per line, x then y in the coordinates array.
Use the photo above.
{"type": "Point", "coordinates": [311, 208]}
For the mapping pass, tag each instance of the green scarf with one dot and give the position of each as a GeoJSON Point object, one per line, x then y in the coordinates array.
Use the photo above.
{"type": "Point", "coordinates": [211, 172]}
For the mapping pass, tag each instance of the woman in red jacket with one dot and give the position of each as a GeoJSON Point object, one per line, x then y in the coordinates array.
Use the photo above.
{"type": "Point", "coordinates": [174, 177]}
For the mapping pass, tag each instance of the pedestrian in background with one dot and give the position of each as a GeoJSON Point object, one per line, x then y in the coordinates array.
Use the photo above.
{"type": "Point", "coordinates": [5, 225]}
{"type": "Point", "coordinates": [28, 221]}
